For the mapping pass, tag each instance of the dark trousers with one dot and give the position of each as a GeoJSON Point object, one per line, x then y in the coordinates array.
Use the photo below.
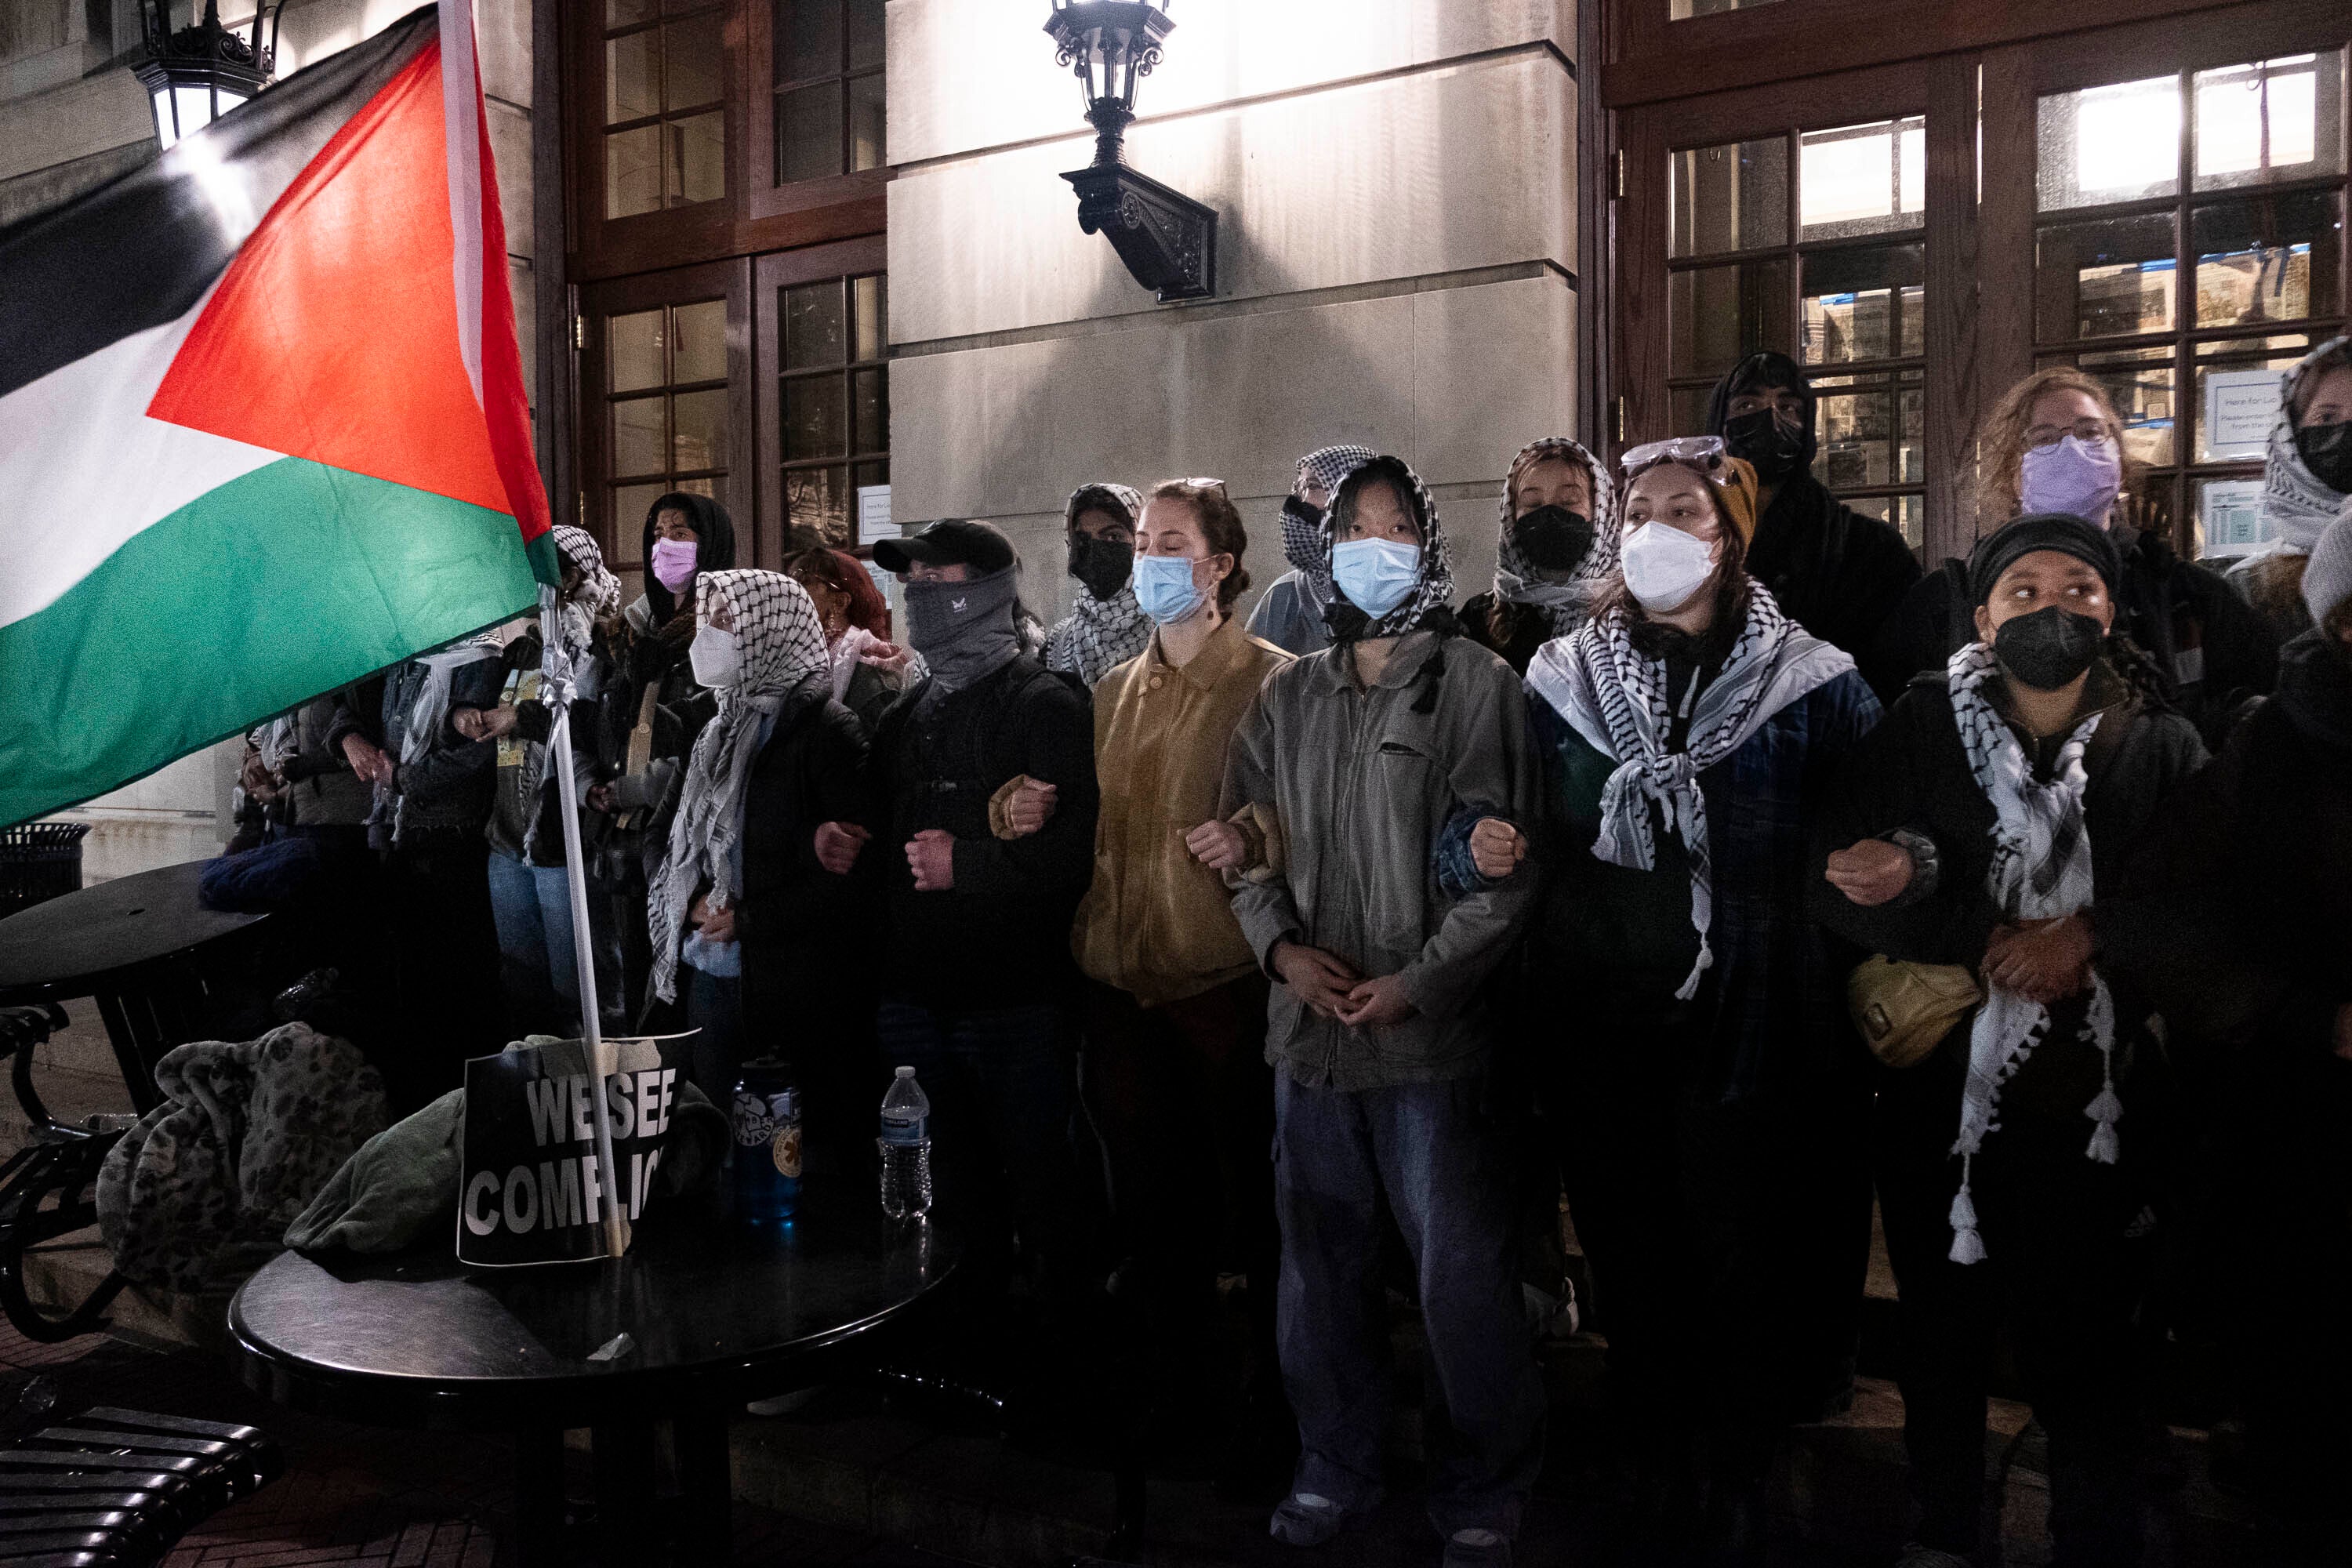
{"type": "Point", "coordinates": [2060, 1282]}
{"type": "Point", "coordinates": [1722, 1243]}
{"type": "Point", "coordinates": [446, 947]}
{"type": "Point", "coordinates": [712, 1055]}
{"type": "Point", "coordinates": [1432, 1151]}
{"type": "Point", "coordinates": [1183, 1100]}
{"type": "Point", "coordinates": [999, 1081]}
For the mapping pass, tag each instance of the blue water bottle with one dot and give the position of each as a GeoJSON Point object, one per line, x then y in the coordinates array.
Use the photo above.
{"type": "Point", "coordinates": [767, 1119]}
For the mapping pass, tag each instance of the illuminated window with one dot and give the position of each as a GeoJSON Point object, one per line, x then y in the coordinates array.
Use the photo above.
{"type": "Point", "coordinates": [666, 408]}
{"type": "Point", "coordinates": [832, 399]}
{"type": "Point", "coordinates": [665, 122]}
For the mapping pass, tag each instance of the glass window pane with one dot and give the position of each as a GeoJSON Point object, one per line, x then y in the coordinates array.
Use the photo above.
{"type": "Point", "coordinates": [818, 499]}
{"type": "Point", "coordinates": [1686, 407]}
{"type": "Point", "coordinates": [2238, 395]}
{"type": "Point", "coordinates": [815, 417]}
{"type": "Point", "coordinates": [633, 76]}
{"type": "Point", "coordinates": [868, 123]}
{"type": "Point", "coordinates": [1863, 179]}
{"type": "Point", "coordinates": [701, 436]}
{"type": "Point", "coordinates": [1731, 197]}
{"type": "Point", "coordinates": [865, 33]}
{"type": "Point", "coordinates": [1858, 301]}
{"type": "Point", "coordinates": [869, 408]}
{"type": "Point", "coordinates": [701, 338]}
{"type": "Point", "coordinates": [2104, 278]}
{"type": "Point", "coordinates": [2140, 383]}
{"type": "Point", "coordinates": [2267, 258]}
{"type": "Point", "coordinates": [876, 473]}
{"type": "Point", "coordinates": [1857, 430]}
{"type": "Point", "coordinates": [621, 13]}
{"type": "Point", "coordinates": [808, 134]}
{"type": "Point", "coordinates": [2270, 119]}
{"type": "Point", "coordinates": [637, 436]}
{"type": "Point", "coordinates": [692, 62]}
{"type": "Point", "coordinates": [697, 167]}
{"type": "Point", "coordinates": [808, 38]}
{"type": "Point", "coordinates": [633, 347]}
{"type": "Point", "coordinates": [1716, 314]}
{"type": "Point", "coordinates": [2115, 144]}
{"type": "Point", "coordinates": [1683, 10]}
{"type": "Point", "coordinates": [812, 324]}
{"type": "Point", "coordinates": [630, 503]}
{"type": "Point", "coordinates": [1911, 432]}
{"type": "Point", "coordinates": [869, 298]}
{"type": "Point", "coordinates": [633, 171]}
{"type": "Point", "coordinates": [711, 485]}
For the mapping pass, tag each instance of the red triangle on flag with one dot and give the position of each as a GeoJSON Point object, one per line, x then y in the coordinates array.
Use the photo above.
{"type": "Point", "coordinates": [334, 334]}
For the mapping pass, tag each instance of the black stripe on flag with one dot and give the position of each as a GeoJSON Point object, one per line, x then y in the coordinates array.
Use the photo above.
{"type": "Point", "coordinates": [141, 249]}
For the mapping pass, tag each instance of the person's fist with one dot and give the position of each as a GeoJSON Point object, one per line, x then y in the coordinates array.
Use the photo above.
{"type": "Point", "coordinates": [1497, 848]}
{"type": "Point", "coordinates": [367, 760]}
{"type": "Point", "coordinates": [930, 854]}
{"type": "Point", "coordinates": [1219, 845]}
{"type": "Point", "coordinates": [1869, 872]}
{"type": "Point", "coordinates": [600, 797]}
{"type": "Point", "coordinates": [1318, 979]}
{"type": "Point", "coordinates": [715, 924]}
{"type": "Point", "coordinates": [837, 843]}
{"type": "Point", "coordinates": [1028, 808]}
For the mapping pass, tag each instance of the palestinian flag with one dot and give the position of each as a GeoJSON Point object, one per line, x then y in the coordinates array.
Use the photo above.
{"type": "Point", "coordinates": [262, 423]}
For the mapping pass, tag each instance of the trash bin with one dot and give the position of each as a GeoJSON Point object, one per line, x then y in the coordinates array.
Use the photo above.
{"type": "Point", "coordinates": [40, 860]}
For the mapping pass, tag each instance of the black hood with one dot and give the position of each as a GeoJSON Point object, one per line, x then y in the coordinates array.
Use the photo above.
{"type": "Point", "coordinates": [1766, 369]}
{"type": "Point", "coordinates": [714, 532]}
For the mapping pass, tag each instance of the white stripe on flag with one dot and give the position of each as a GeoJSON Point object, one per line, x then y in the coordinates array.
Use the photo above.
{"type": "Point", "coordinates": [83, 470]}
{"type": "Point", "coordinates": [461, 107]}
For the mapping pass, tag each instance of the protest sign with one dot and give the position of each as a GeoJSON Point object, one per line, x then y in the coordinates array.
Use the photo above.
{"type": "Point", "coordinates": [531, 1189]}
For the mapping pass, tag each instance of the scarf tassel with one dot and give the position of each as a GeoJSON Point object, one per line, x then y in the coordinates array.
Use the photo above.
{"type": "Point", "coordinates": [1705, 961]}
{"type": "Point", "coordinates": [2107, 1111]}
{"type": "Point", "coordinates": [1967, 1247]}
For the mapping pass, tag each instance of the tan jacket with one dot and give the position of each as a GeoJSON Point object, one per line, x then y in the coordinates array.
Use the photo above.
{"type": "Point", "coordinates": [1156, 922]}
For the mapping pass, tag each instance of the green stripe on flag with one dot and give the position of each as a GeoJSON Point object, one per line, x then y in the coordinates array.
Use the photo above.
{"type": "Point", "coordinates": [275, 587]}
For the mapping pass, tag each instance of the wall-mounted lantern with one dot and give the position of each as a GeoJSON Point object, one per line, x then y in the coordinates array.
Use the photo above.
{"type": "Point", "coordinates": [1167, 240]}
{"type": "Point", "coordinates": [196, 75]}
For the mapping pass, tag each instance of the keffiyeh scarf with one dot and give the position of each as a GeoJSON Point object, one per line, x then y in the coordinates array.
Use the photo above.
{"type": "Point", "coordinates": [1565, 605]}
{"type": "Point", "coordinates": [2040, 871]}
{"type": "Point", "coordinates": [426, 715]}
{"type": "Point", "coordinates": [784, 656]}
{"type": "Point", "coordinates": [1302, 544]}
{"type": "Point", "coordinates": [1099, 633]}
{"type": "Point", "coordinates": [2296, 507]}
{"type": "Point", "coordinates": [1615, 697]}
{"type": "Point", "coordinates": [596, 597]}
{"type": "Point", "coordinates": [1435, 589]}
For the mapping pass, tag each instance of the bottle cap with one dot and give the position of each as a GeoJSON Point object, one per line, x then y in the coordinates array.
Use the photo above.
{"type": "Point", "coordinates": [905, 1072]}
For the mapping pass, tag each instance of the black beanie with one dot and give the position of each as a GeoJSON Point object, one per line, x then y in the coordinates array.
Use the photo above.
{"type": "Point", "coordinates": [2056, 531]}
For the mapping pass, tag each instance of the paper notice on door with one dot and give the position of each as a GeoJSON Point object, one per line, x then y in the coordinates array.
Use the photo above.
{"type": "Point", "coordinates": [2231, 512]}
{"type": "Point", "coordinates": [874, 514]}
{"type": "Point", "coordinates": [2240, 408]}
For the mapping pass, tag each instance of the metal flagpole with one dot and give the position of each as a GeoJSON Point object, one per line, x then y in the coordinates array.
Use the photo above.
{"type": "Point", "coordinates": [556, 665]}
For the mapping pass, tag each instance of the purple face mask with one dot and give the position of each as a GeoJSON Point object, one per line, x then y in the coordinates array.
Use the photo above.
{"type": "Point", "coordinates": [2081, 478]}
{"type": "Point", "coordinates": [673, 561]}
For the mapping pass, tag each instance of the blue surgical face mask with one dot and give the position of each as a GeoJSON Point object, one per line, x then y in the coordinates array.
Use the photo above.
{"type": "Point", "coordinates": [1164, 587]}
{"type": "Point", "coordinates": [1376, 573]}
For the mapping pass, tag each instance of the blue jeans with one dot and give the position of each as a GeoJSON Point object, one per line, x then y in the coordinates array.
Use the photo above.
{"type": "Point", "coordinates": [1000, 1081]}
{"type": "Point", "coordinates": [532, 906]}
{"type": "Point", "coordinates": [1430, 1148]}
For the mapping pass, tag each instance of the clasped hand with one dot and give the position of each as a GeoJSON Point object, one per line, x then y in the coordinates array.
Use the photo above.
{"type": "Point", "coordinates": [1330, 987]}
{"type": "Point", "coordinates": [2043, 961]}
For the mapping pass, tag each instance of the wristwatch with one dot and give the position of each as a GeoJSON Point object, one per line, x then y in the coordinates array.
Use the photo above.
{"type": "Point", "coordinates": [1927, 865]}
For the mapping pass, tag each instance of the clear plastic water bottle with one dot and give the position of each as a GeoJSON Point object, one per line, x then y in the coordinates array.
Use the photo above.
{"type": "Point", "coordinates": [767, 1125]}
{"type": "Point", "coordinates": [906, 1148]}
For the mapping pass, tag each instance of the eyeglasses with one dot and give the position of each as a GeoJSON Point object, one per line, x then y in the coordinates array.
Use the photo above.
{"type": "Point", "coordinates": [2086, 430]}
{"type": "Point", "coordinates": [1702, 452]}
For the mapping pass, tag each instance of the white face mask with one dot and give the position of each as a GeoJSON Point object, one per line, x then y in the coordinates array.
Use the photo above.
{"type": "Point", "coordinates": [1664, 566]}
{"type": "Point", "coordinates": [716, 659]}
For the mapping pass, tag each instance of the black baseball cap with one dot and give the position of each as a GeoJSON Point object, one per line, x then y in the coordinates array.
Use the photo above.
{"type": "Point", "coordinates": [951, 542]}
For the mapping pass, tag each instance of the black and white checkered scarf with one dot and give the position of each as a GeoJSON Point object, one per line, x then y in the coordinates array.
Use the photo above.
{"type": "Point", "coordinates": [784, 656]}
{"type": "Point", "coordinates": [1565, 605]}
{"type": "Point", "coordinates": [2040, 871]}
{"type": "Point", "coordinates": [1435, 591]}
{"type": "Point", "coordinates": [598, 594]}
{"type": "Point", "coordinates": [1099, 633]}
{"type": "Point", "coordinates": [1302, 544]}
{"type": "Point", "coordinates": [1615, 697]}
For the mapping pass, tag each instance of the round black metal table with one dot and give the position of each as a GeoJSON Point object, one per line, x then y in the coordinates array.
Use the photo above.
{"type": "Point", "coordinates": [136, 945]}
{"type": "Point", "coordinates": [715, 1314]}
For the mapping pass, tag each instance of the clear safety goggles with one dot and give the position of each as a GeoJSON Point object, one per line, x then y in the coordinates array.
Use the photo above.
{"type": "Point", "coordinates": [1704, 453]}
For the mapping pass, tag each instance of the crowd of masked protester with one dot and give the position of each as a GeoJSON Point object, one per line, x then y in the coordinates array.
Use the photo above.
{"type": "Point", "coordinates": [1715, 870]}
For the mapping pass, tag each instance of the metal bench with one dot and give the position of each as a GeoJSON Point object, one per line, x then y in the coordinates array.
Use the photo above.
{"type": "Point", "coordinates": [116, 1489]}
{"type": "Point", "coordinates": [48, 1188]}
